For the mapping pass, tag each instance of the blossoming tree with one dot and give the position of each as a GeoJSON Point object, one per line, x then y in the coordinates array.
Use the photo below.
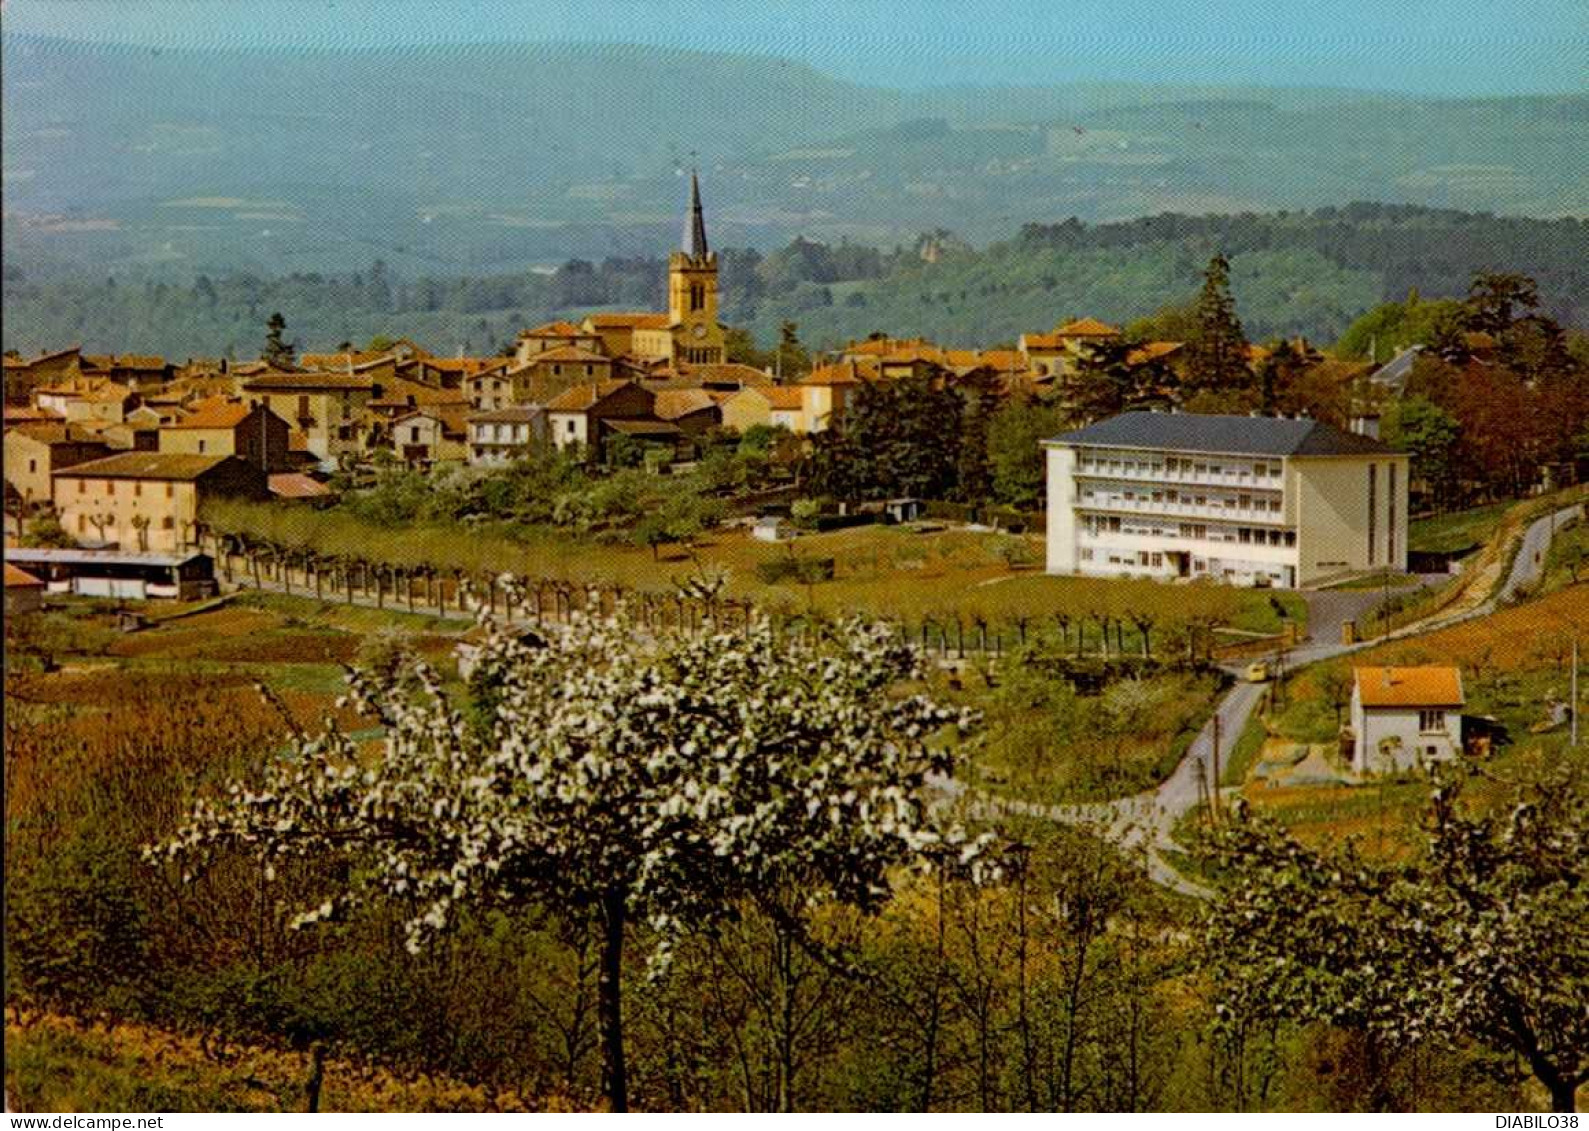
{"type": "Point", "coordinates": [620, 776]}
{"type": "Point", "coordinates": [1482, 936]}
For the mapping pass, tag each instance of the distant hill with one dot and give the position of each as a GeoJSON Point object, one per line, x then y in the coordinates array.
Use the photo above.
{"type": "Point", "coordinates": [1307, 273]}
{"type": "Point", "coordinates": [468, 161]}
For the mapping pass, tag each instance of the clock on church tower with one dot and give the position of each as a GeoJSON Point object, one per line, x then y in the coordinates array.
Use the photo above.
{"type": "Point", "coordinates": [692, 291]}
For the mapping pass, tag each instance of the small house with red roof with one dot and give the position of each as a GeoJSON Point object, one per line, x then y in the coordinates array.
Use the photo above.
{"type": "Point", "coordinates": [24, 592]}
{"type": "Point", "coordinates": [1405, 718]}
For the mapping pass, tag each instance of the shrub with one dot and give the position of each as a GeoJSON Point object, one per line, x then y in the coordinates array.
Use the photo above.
{"type": "Point", "coordinates": [800, 571]}
{"type": "Point", "coordinates": [951, 512]}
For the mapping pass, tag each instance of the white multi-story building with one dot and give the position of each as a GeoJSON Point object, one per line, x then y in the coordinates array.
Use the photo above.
{"type": "Point", "coordinates": [1241, 499]}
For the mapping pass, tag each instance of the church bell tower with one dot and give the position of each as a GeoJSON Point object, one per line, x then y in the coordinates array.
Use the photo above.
{"type": "Point", "coordinates": [692, 291]}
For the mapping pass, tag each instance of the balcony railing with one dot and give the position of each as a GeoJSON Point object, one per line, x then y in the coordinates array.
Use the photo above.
{"type": "Point", "coordinates": [1224, 542]}
{"type": "Point", "coordinates": [1161, 474]}
{"type": "Point", "coordinates": [1179, 510]}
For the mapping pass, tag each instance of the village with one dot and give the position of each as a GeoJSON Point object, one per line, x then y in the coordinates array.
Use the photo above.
{"type": "Point", "coordinates": [119, 460]}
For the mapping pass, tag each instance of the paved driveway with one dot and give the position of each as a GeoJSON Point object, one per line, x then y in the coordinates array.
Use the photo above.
{"type": "Point", "coordinates": [1145, 821]}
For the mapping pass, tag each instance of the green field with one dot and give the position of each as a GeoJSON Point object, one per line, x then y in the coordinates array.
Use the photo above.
{"type": "Point", "coordinates": [904, 573]}
{"type": "Point", "coordinates": [1457, 531]}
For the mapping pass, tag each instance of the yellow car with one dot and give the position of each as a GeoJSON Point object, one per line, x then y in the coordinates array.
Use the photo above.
{"type": "Point", "coordinates": [1258, 671]}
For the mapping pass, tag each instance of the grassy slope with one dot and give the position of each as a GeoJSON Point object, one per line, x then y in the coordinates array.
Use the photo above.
{"type": "Point", "coordinates": [56, 1064]}
{"type": "Point", "coordinates": [1459, 530]}
{"type": "Point", "coordinates": [879, 570]}
{"type": "Point", "coordinates": [1512, 662]}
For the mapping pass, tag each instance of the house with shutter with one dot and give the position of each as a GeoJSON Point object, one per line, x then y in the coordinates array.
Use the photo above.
{"type": "Point", "coordinates": [1057, 352]}
{"type": "Point", "coordinates": [430, 435]}
{"type": "Point", "coordinates": [149, 501]}
{"type": "Point", "coordinates": [554, 335]}
{"type": "Point", "coordinates": [505, 434]}
{"type": "Point", "coordinates": [324, 410]}
{"type": "Point", "coordinates": [770, 405]}
{"type": "Point", "coordinates": [35, 452]}
{"type": "Point", "coordinates": [226, 427]}
{"type": "Point", "coordinates": [586, 415]}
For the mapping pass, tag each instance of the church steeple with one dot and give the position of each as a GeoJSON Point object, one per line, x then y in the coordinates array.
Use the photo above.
{"type": "Point", "coordinates": [692, 292]}
{"type": "Point", "coordinates": [695, 224]}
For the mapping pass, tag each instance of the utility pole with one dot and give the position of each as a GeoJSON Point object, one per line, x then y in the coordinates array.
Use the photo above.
{"type": "Point", "coordinates": [1384, 602]}
{"type": "Point", "coordinates": [1213, 791]}
{"type": "Point", "coordinates": [1572, 706]}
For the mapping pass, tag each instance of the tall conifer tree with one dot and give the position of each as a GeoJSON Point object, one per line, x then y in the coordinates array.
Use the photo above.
{"type": "Point", "coordinates": [1217, 355]}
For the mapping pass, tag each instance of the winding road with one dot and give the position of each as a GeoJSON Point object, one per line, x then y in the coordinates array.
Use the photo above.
{"type": "Point", "coordinates": [1146, 820]}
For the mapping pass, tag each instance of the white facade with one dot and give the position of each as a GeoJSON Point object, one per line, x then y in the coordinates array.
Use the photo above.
{"type": "Point", "coordinates": [493, 443]}
{"type": "Point", "coordinates": [1238, 518]}
{"type": "Point", "coordinates": [569, 429]}
{"type": "Point", "coordinates": [1392, 739]}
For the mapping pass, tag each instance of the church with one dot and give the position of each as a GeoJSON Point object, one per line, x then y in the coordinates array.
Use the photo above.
{"type": "Point", "coordinates": [689, 333]}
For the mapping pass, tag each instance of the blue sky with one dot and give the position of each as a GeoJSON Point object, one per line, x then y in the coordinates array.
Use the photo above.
{"type": "Point", "coordinates": [1446, 47]}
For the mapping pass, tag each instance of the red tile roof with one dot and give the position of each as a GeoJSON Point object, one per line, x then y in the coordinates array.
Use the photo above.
{"type": "Point", "coordinates": [1153, 351]}
{"type": "Point", "coordinates": [844, 373]}
{"type": "Point", "coordinates": [554, 330]}
{"type": "Point", "coordinates": [21, 579]}
{"type": "Point", "coordinates": [144, 465]}
{"type": "Point", "coordinates": [311, 382]}
{"type": "Point", "coordinates": [629, 319]}
{"type": "Point", "coordinates": [671, 404]}
{"type": "Point", "coordinates": [140, 361]}
{"type": "Point", "coordinates": [724, 373]}
{"type": "Point", "coordinates": [296, 485]}
{"type": "Point", "coordinates": [396, 394]}
{"type": "Point", "coordinates": [570, 353]}
{"type": "Point", "coordinates": [583, 397]}
{"type": "Point", "coordinates": [1087, 328]}
{"type": "Point", "coordinates": [513, 414]}
{"type": "Point", "coordinates": [340, 361]}
{"type": "Point", "coordinates": [784, 398]}
{"type": "Point", "coordinates": [215, 412]}
{"type": "Point", "coordinates": [1006, 361]}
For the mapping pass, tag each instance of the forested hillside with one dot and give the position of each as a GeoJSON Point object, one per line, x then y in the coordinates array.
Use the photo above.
{"type": "Point", "coordinates": [487, 159]}
{"type": "Point", "coordinates": [1309, 273]}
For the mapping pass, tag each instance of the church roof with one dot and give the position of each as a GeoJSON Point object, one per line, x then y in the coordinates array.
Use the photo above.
{"type": "Point", "coordinates": [695, 224]}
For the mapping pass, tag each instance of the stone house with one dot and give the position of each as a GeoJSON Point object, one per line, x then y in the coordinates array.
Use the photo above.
{"type": "Point", "coordinates": [251, 432]}
{"type": "Point", "coordinates": [35, 452]}
{"type": "Point", "coordinates": [505, 434]}
{"type": "Point", "coordinates": [149, 501]}
{"type": "Point", "coordinates": [581, 416]}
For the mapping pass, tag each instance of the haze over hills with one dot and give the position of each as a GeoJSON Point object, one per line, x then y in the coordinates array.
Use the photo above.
{"type": "Point", "coordinates": [463, 161]}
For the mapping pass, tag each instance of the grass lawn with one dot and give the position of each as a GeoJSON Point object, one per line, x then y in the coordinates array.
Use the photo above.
{"type": "Point", "coordinates": [1568, 560]}
{"type": "Point", "coordinates": [886, 571]}
{"type": "Point", "coordinates": [297, 647]}
{"type": "Point", "coordinates": [1042, 742]}
{"type": "Point", "coordinates": [1242, 755]}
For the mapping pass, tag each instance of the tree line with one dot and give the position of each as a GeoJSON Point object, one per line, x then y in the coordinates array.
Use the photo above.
{"type": "Point", "coordinates": [1320, 270]}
